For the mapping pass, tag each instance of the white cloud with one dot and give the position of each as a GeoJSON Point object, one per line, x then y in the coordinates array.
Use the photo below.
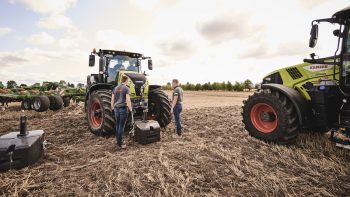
{"type": "Point", "coordinates": [42, 38]}
{"type": "Point", "coordinates": [113, 39]}
{"type": "Point", "coordinates": [229, 26]}
{"type": "Point", "coordinates": [5, 30]}
{"type": "Point", "coordinates": [47, 6]}
{"type": "Point", "coordinates": [49, 65]}
{"type": "Point", "coordinates": [307, 4]}
{"type": "Point", "coordinates": [57, 21]}
{"type": "Point", "coordinates": [71, 39]}
{"type": "Point", "coordinates": [145, 5]}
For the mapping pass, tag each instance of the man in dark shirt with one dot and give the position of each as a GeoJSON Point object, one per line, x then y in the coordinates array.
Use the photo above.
{"type": "Point", "coordinates": [176, 106]}
{"type": "Point", "coordinates": [121, 103]}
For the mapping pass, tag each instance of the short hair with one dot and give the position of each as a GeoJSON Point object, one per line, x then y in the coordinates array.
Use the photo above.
{"type": "Point", "coordinates": [124, 78]}
{"type": "Point", "coordinates": [176, 81]}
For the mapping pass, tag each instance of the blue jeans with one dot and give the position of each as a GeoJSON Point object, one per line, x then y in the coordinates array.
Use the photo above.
{"type": "Point", "coordinates": [177, 111]}
{"type": "Point", "coordinates": [121, 115]}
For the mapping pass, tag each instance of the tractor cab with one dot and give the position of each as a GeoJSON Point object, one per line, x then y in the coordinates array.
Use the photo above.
{"type": "Point", "coordinates": [341, 58]}
{"type": "Point", "coordinates": [112, 62]}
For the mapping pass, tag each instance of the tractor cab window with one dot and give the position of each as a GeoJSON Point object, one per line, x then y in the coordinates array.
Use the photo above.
{"type": "Point", "coordinates": [348, 43]}
{"type": "Point", "coordinates": [120, 62]}
{"type": "Point", "coordinates": [346, 63]}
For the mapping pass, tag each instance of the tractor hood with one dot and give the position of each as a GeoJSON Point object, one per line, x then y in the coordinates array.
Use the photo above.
{"type": "Point", "coordinates": [136, 78]}
{"type": "Point", "coordinates": [138, 84]}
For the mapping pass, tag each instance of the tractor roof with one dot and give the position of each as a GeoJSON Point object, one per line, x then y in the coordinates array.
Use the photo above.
{"type": "Point", "coordinates": [125, 53]}
{"type": "Point", "coordinates": [343, 14]}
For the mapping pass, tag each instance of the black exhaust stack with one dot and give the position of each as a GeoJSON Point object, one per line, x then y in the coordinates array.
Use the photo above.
{"type": "Point", "coordinates": [23, 126]}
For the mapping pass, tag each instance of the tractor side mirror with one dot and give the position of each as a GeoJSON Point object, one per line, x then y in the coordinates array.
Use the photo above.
{"type": "Point", "coordinates": [313, 36]}
{"type": "Point", "coordinates": [150, 64]}
{"type": "Point", "coordinates": [337, 33]}
{"type": "Point", "coordinates": [91, 60]}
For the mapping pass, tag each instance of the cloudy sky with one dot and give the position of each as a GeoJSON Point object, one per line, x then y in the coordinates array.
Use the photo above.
{"type": "Point", "coordinates": [195, 41]}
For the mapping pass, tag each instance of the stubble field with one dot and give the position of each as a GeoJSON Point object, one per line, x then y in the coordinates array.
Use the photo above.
{"type": "Point", "coordinates": [215, 157]}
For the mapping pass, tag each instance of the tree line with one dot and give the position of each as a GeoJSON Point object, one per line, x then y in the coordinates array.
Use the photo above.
{"type": "Point", "coordinates": [224, 86]}
{"type": "Point", "coordinates": [11, 84]}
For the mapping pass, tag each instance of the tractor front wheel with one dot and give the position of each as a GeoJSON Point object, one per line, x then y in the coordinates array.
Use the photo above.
{"type": "Point", "coordinates": [159, 107]}
{"type": "Point", "coordinates": [99, 113]}
{"type": "Point", "coordinates": [271, 116]}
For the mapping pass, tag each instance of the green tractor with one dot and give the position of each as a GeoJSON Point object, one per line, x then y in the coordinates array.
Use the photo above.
{"type": "Point", "coordinates": [312, 96]}
{"type": "Point", "coordinates": [149, 101]}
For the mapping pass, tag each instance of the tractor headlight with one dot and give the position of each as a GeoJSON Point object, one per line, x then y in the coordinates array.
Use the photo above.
{"type": "Point", "coordinates": [144, 103]}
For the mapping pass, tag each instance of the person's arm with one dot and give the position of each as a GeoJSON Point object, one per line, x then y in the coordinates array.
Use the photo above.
{"type": "Point", "coordinates": [112, 101]}
{"type": "Point", "coordinates": [128, 102]}
{"type": "Point", "coordinates": [174, 103]}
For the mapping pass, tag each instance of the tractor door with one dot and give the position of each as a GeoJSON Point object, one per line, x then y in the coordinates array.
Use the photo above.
{"type": "Point", "coordinates": [345, 63]}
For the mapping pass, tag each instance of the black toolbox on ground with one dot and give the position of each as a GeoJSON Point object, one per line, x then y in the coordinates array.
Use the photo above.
{"type": "Point", "coordinates": [147, 132]}
{"type": "Point", "coordinates": [18, 151]}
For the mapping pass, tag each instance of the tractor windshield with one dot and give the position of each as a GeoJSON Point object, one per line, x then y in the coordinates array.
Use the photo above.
{"type": "Point", "coordinates": [120, 62]}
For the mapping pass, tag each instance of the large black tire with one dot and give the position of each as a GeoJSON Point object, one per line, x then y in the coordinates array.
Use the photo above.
{"type": "Point", "coordinates": [271, 116]}
{"type": "Point", "coordinates": [56, 103]}
{"type": "Point", "coordinates": [159, 107]}
{"type": "Point", "coordinates": [41, 103]}
{"type": "Point", "coordinates": [26, 104]}
{"type": "Point", "coordinates": [66, 101]}
{"type": "Point", "coordinates": [99, 113]}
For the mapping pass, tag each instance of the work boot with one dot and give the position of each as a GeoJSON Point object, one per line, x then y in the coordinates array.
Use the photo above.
{"type": "Point", "coordinates": [176, 136]}
{"type": "Point", "coordinates": [341, 138]}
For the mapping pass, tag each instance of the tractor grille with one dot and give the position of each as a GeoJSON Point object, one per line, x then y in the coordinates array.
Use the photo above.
{"type": "Point", "coordinates": [294, 73]}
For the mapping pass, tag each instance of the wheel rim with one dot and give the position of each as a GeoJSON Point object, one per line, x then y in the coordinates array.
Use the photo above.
{"type": "Point", "coordinates": [264, 117]}
{"type": "Point", "coordinates": [26, 104]}
{"type": "Point", "coordinates": [37, 104]}
{"type": "Point", "coordinates": [95, 114]}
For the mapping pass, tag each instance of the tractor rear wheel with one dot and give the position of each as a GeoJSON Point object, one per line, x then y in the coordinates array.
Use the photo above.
{"type": "Point", "coordinates": [99, 114]}
{"type": "Point", "coordinates": [41, 103]}
{"type": "Point", "coordinates": [26, 104]}
{"type": "Point", "coordinates": [270, 116]}
{"type": "Point", "coordinates": [159, 107]}
{"type": "Point", "coordinates": [56, 103]}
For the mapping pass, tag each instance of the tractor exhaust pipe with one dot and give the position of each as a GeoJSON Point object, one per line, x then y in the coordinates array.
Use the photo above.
{"type": "Point", "coordinates": [23, 126]}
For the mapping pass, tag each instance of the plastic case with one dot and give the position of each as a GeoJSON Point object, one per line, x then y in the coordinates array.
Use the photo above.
{"type": "Point", "coordinates": [147, 132]}
{"type": "Point", "coordinates": [21, 150]}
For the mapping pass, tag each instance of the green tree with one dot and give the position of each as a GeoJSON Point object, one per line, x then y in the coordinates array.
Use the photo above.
{"type": "Point", "coordinates": [167, 86]}
{"type": "Point", "coordinates": [23, 85]}
{"type": "Point", "coordinates": [1, 85]}
{"type": "Point", "coordinates": [11, 84]}
{"type": "Point", "coordinates": [238, 86]}
{"type": "Point", "coordinates": [247, 84]}
{"type": "Point", "coordinates": [223, 86]}
{"type": "Point", "coordinates": [229, 86]}
{"type": "Point", "coordinates": [216, 86]}
{"type": "Point", "coordinates": [198, 87]}
{"type": "Point", "coordinates": [257, 86]}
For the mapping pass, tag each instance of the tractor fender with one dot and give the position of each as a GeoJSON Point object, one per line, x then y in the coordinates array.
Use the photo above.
{"type": "Point", "coordinates": [154, 87]}
{"type": "Point", "coordinates": [94, 88]}
{"type": "Point", "coordinates": [301, 105]}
